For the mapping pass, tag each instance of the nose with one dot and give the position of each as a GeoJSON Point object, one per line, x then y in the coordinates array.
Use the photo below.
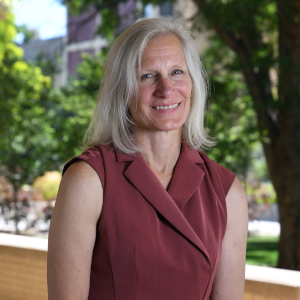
{"type": "Point", "coordinates": [164, 87]}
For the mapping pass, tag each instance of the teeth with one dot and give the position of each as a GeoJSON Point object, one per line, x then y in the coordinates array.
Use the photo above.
{"type": "Point", "coordinates": [167, 107]}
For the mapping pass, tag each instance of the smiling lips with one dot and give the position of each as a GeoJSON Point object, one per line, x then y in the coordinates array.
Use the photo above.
{"type": "Point", "coordinates": [166, 107]}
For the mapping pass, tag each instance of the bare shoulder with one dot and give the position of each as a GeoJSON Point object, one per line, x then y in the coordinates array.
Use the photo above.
{"type": "Point", "coordinates": [81, 187]}
{"type": "Point", "coordinates": [236, 189]}
{"type": "Point", "coordinates": [73, 231]}
{"type": "Point", "coordinates": [236, 197]}
{"type": "Point", "coordinates": [81, 173]}
{"type": "Point", "coordinates": [230, 278]}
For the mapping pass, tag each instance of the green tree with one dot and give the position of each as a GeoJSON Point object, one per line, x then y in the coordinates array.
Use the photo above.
{"type": "Point", "coordinates": [73, 106]}
{"type": "Point", "coordinates": [25, 130]}
{"type": "Point", "coordinates": [41, 128]}
{"type": "Point", "coordinates": [230, 115]}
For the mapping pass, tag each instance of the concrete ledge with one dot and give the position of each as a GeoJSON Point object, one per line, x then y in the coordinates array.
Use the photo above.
{"type": "Point", "coordinates": [23, 267]}
{"type": "Point", "coordinates": [25, 242]}
{"type": "Point", "coordinates": [263, 283]}
{"type": "Point", "coordinates": [273, 276]}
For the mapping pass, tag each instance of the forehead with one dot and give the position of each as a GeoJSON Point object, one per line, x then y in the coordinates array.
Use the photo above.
{"type": "Point", "coordinates": [163, 47]}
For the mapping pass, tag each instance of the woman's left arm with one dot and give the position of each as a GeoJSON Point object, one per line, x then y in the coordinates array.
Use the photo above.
{"type": "Point", "coordinates": [230, 278]}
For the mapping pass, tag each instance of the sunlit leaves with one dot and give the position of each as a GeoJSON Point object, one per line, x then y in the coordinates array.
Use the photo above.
{"type": "Point", "coordinates": [24, 120]}
{"type": "Point", "coordinates": [73, 106]}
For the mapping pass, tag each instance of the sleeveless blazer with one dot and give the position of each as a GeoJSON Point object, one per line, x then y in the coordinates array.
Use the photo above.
{"type": "Point", "coordinates": [153, 244]}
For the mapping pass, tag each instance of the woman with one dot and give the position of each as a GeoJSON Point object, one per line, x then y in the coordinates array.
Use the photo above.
{"type": "Point", "coordinates": [144, 214]}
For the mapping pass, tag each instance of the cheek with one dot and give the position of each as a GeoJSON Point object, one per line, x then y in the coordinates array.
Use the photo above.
{"type": "Point", "coordinates": [185, 88]}
{"type": "Point", "coordinates": [144, 94]}
{"type": "Point", "coordinates": [144, 103]}
{"type": "Point", "coordinates": [138, 109]}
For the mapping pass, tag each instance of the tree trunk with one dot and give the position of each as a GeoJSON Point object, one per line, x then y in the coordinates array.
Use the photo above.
{"type": "Point", "coordinates": [283, 160]}
{"type": "Point", "coordinates": [278, 121]}
{"type": "Point", "coordinates": [289, 75]}
{"type": "Point", "coordinates": [282, 127]}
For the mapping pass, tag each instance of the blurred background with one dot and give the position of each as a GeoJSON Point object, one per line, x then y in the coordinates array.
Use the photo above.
{"type": "Point", "coordinates": [51, 64]}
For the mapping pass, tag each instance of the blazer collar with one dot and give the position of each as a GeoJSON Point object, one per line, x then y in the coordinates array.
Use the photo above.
{"type": "Point", "coordinates": [192, 155]}
{"type": "Point", "coordinates": [186, 178]}
{"type": "Point", "coordinates": [120, 156]}
{"type": "Point", "coordinates": [187, 175]}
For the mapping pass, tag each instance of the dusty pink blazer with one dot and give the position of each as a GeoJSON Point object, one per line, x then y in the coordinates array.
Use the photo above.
{"type": "Point", "coordinates": [154, 244]}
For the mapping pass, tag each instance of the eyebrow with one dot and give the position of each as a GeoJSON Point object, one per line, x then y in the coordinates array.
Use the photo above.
{"type": "Point", "coordinates": [172, 67]}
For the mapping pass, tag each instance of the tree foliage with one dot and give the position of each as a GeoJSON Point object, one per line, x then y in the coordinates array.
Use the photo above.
{"type": "Point", "coordinates": [25, 128]}
{"type": "Point", "coordinates": [73, 106]}
{"type": "Point", "coordinates": [25, 133]}
{"type": "Point", "coordinates": [231, 118]}
{"type": "Point", "coordinates": [41, 128]}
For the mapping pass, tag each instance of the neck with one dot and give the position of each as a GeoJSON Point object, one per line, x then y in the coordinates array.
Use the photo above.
{"type": "Point", "coordinates": [160, 149]}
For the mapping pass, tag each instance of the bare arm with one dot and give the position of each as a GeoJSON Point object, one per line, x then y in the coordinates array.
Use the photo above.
{"type": "Point", "coordinates": [72, 233]}
{"type": "Point", "coordinates": [230, 278]}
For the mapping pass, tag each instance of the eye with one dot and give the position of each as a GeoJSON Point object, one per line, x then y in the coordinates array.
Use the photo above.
{"type": "Point", "coordinates": [177, 72]}
{"type": "Point", "coordinates": [147, 76]}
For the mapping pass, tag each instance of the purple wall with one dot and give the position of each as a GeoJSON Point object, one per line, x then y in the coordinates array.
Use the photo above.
{"type": "Point", "coordinates": [82, 28]}
{"type": "Point", "coordinates": [126, 12]}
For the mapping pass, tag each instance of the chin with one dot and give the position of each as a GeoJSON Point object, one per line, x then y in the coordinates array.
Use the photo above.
{"type": "Point", "coordinates": [169, 126]}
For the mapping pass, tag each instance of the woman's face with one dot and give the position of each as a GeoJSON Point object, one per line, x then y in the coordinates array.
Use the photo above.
{"type": "Point", "coordinates": [164, 87]}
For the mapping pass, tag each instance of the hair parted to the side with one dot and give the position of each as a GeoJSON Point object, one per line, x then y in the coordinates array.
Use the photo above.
{"type": "Point", "coordinates": [111, 121]}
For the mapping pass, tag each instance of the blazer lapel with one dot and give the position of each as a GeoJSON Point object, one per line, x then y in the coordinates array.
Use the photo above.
{"type": "Point", "coordinates": [145, 181]}
{"type": "Point", "coordinates": [187, 176]}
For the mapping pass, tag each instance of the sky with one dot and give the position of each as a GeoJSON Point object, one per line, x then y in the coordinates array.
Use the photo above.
{"type": "Point", "coordinates": [48, 17]}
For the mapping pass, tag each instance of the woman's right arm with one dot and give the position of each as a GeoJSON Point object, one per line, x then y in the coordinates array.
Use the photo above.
{"type": "Point", "coordinates": [72, 233]}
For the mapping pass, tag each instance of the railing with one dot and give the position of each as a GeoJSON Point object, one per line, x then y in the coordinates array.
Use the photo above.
{"type": "Point", "coordinates": [263, 283]}
{"type": "Point", "coordinates": [23, 262]}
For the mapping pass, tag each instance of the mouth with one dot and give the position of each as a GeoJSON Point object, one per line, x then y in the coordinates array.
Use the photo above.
{"type": "Point", "coordinates": [166, 107]}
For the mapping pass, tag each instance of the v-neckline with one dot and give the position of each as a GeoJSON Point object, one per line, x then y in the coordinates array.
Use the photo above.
{"type": "Point", "coordinates": [169, 203]}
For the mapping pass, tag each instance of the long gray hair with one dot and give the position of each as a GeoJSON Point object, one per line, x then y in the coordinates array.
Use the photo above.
{"type": "Point", "coordinates": [111, 121]}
